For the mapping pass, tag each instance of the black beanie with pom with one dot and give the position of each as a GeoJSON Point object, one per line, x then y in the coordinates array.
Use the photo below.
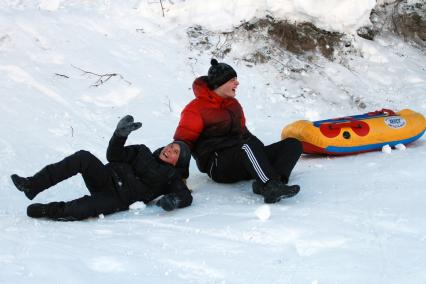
{"type": "Point", "coordinates": [219, 74]}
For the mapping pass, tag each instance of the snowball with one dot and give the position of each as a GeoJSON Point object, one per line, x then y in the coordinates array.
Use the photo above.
{"type": "Point", "coordinates": [137, 205]}
{"type": "Point", "coordinates": [386, 149]}
{"type": "Point", "coordinates": [263, 212]}
{"type": "Point", "coordinates": [400, 147]}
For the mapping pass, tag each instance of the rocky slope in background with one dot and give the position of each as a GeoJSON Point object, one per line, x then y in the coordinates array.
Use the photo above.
{"type": "Point", "coordinates": [404, 18]}
{"type": "Point", "coordinates": [270, 36]}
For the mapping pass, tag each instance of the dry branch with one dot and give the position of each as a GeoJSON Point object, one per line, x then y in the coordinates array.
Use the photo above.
{"type": "Point", "coordinates": [102, 78]}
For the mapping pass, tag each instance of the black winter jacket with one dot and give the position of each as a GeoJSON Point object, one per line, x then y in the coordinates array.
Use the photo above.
{"type": "Point", "coordinates": [141, 176]}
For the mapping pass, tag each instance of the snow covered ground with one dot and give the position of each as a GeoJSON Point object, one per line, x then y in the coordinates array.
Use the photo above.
{"type": "Point", "coordinates": [357, 219]}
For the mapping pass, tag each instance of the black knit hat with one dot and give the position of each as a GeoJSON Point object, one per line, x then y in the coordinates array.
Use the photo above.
{"type": "Point", "coordinates": [184, 156]}
{"type": "Point", "coordinates": [219, 74]}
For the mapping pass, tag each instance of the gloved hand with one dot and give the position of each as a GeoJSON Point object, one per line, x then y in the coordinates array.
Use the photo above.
{"type": "Point", "coordinates": [169, 202]}
{"type": "Point", "coordinates": [126, 125]}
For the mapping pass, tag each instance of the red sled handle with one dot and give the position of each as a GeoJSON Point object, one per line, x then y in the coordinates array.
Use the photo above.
{"type": "Point", "coordinates": [386, 111]}
{"type": "Point", "coordinates": [331, 130]}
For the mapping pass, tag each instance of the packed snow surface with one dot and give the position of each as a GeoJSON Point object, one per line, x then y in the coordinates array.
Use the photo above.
{"type": "Point", "coordinates": [70, 69]}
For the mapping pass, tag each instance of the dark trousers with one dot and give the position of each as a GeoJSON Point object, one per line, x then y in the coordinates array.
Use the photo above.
{"type": "Point", "coordinates": [103, 198]}
{"type": "Point", "coordinates": [253, 160]}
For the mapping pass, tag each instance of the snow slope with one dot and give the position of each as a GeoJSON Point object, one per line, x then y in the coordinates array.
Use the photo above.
{"type": "Point", "coordinates": [357, 219]}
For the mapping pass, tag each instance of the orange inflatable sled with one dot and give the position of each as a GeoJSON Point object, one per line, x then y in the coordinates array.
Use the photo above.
{"type": "Point", "coordinates": [357, 133]}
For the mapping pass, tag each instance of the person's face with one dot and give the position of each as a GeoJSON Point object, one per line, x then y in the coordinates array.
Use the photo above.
{"type": "Point", "coordinates": [170, 154]}
{"type": "Point", "coordinates": [228, 90]}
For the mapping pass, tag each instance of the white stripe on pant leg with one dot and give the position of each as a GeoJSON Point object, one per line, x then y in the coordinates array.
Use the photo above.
{"type": "Point", "coordinates": [255, 164]}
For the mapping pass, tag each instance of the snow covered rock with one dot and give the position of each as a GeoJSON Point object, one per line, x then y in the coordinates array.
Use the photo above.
{"type": "Point", "coordinates": [406, 18]}
{"type": "Point", "coordinates": [139, 205]}
{"type": "Point", "coordinates": [400, 147]}
{"type": "Point", "coordinates": [387, 149]}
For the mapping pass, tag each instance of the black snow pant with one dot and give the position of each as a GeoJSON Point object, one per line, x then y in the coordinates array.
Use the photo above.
{"type": "Point", "coordinates": [253, 160]}
{"type": "Point", "coordinates": [103, 198]}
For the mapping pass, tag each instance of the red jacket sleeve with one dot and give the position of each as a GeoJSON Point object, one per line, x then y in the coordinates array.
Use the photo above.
{"type": "Point", "coordinates": [189, 128]}
{"type": "Point", "coordinates": [243, 119]}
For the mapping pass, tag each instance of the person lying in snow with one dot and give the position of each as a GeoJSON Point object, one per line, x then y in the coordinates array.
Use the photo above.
{"type": "Point", "coordinates": [213, 126]}
{"type": "Point", "coordinates": [132, 174]}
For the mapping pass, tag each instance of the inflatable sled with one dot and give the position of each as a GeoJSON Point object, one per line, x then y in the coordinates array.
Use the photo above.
{"type": "Point", "coordinates": [357, 133]}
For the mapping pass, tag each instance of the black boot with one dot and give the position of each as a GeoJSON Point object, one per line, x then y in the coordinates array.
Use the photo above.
{"type": "Point", "coordinates": [37, 210]}
{"type": "Point", "coordinates": [273, 191]}
{"type": "Point", "coordinates": [24, 185]}
{"type": "Point", "coordinates": [52, 210]}
{"type": "Point", "coordinates": [257, 187]}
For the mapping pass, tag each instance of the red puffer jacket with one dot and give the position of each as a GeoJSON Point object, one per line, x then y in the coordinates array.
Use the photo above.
{"type": "Point", "coordinates": [210, 123]}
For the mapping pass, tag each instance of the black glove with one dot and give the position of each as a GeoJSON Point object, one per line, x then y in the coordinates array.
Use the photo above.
{"type": "Point", "coordinates": [169, 202]}
{"type": "Point", "coordinates": [126, 125]}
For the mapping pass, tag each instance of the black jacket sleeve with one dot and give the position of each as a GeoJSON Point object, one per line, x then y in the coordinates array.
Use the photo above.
{"type": "Point", "coordinates": [116, 151]}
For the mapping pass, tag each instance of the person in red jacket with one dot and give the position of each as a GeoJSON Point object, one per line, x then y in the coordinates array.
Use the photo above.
{"type": "Point", "coordinates": [214, 127]}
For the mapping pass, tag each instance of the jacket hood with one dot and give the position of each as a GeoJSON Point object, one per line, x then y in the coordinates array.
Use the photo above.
{"type": "Point", "coordinates": [182, 170]}
{"type": "Point", "coordinates": [202, 91]}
